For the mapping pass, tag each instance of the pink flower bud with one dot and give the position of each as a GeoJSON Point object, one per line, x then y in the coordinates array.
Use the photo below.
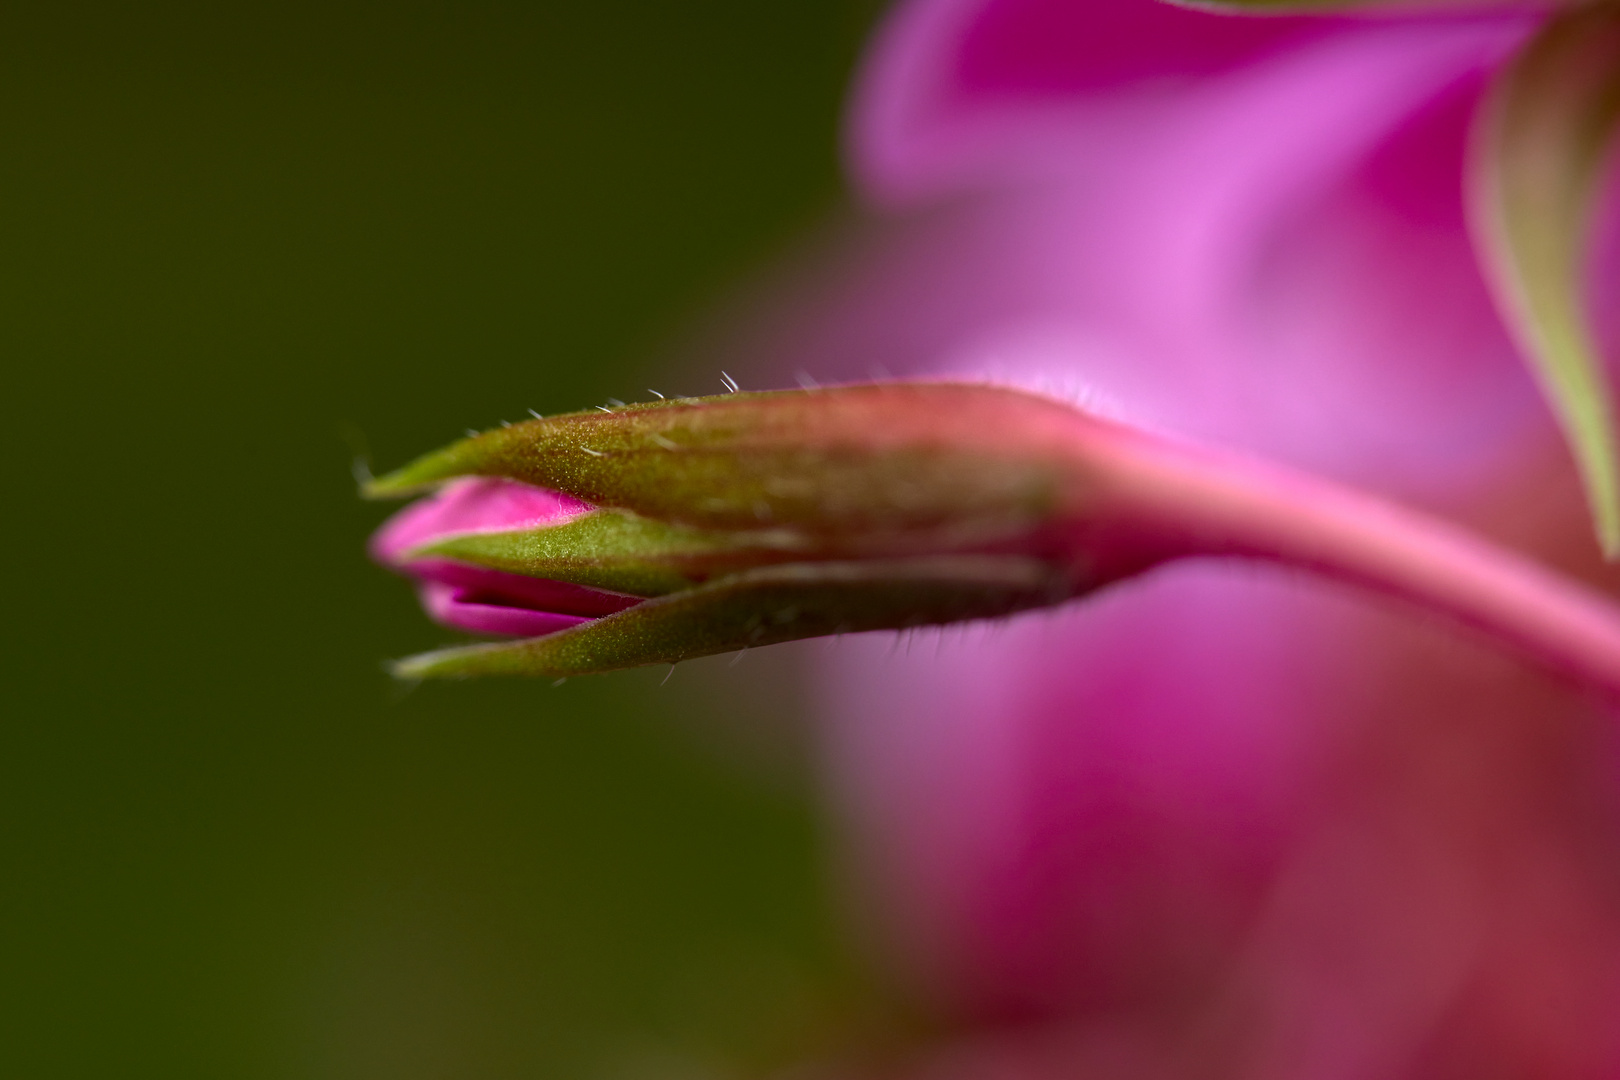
{"type": "Point", "coordinates": [719, 524]}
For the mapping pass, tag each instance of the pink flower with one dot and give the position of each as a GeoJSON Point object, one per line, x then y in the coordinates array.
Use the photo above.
{"type": "Point", "coordinates": [1218, 823]}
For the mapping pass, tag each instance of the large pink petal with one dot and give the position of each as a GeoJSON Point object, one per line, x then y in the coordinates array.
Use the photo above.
{"type": "Point", "coordinates": [1312, 296]}
{"type": "Point", "coordinates": [958, 92]}
{"type": "Point", "coordinates": [1265, 830]}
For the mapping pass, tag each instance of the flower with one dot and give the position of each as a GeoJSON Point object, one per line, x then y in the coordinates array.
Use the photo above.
{"type": "Point", "coordinates": [1217, 823]}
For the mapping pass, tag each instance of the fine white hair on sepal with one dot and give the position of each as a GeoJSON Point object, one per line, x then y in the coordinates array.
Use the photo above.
{"type": "Point", "coordinates": [1065, 363]}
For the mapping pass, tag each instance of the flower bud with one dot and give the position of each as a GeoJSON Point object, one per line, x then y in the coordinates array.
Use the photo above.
{"type": "Point", "coordinates": [656, 533]}
{"type": "Point", "coordinates": [707, 525]}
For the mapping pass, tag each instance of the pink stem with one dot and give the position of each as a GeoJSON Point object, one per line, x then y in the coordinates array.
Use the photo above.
{"type": "Point", "coordinates": [1195, 502]}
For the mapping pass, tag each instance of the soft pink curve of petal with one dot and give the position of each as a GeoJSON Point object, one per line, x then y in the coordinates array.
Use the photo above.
{"type": "Point", "coordinates": [1314, 298]}
{"type": "Point", "coordinates": [957, 93]}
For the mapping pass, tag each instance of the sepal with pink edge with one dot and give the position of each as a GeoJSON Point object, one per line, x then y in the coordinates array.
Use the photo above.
{"type": "Point", "coordinates": [620, 552]}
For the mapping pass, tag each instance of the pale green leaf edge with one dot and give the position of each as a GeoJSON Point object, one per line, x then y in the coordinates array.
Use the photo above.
{"type": "Point", "coordinates": [1542, 143]}
{"type": "Point", "coordinates": [1380, 8]}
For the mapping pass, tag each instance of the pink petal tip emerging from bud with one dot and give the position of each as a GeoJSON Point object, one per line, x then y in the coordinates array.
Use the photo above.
{"type": "Point", "coordinates": [484, 601]}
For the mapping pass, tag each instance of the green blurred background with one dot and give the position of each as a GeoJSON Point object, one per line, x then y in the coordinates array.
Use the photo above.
{"type": "Point", "coordinates": [234, 237]}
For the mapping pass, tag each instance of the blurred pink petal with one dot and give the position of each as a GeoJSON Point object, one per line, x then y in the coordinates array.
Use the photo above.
{"type": "Point", "coordinates": [1277, 263]}
{"type": "Point", "coordinates": [963, 92]}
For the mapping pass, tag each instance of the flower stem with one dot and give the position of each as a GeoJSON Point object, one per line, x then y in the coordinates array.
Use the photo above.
{"type": "Point", "coordinates": [1184, 501]}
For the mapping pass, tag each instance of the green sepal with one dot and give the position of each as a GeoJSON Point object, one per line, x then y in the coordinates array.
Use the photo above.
{"type": "Point", "coordinates": [608, 549]}
{"type": "Point", "coordinates": [764, 607]}
{"type": "Point", "coordinates": [1546, 135]}
{"type": "Point", "coordinates": [963, 464]}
